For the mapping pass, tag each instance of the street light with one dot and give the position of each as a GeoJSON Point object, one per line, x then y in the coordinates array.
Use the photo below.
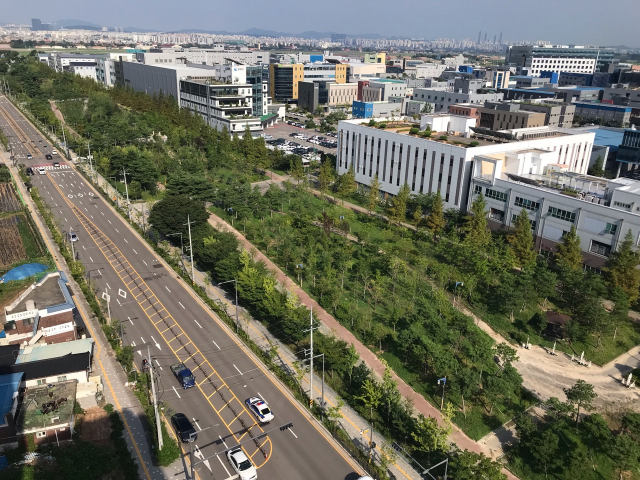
{"type": "Point", "coordinates": [236, 285]}
{"type": "Point", "coordinates": [301, 267]}
{"type": "Point", "coordinates": [444, 382]}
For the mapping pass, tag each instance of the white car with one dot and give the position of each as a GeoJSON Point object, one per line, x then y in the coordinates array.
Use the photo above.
{"type": "Point", "coordinates": [73, 237]}
{"type": "Point", "coordinates": [241, 464]}
{"type": "Point", "coordinates": [54, 152]}
{"type": "Point", "coordinates": [42, 171]}
{"type": "Point", "coordinates": [260, 409]}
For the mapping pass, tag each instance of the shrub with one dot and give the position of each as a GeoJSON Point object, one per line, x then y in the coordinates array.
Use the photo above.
{"type": "Point", "coordinates": [414, 130]}
{"type": "Point", "coordinates": [77, 409]}
{"type": "Point", "coordinates": [382, 125]}
{"type": "Point", "coordinates": [426, 133]}
{"type": "Point", "coordinates": [108, 408]}
{"type": "Point", "coordinates": [474, 144]}
{"type": "Point", "coordinates": [442, 137]}
{"type": "Point", "coordinates": [372, 123]}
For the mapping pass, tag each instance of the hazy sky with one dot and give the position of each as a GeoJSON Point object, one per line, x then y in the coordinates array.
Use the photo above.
{"type": "Point", "coordinates": [601, 22]}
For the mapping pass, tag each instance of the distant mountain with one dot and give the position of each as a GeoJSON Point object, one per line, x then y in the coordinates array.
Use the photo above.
{"type": "Point", "coordinates": [76, 23]}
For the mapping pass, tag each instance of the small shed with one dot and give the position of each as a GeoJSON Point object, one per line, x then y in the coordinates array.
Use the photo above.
{"type": "Point", "coordinates": [556, 324]}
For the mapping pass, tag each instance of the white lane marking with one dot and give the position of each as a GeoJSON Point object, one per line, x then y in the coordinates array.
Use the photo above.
{"type": "Point", "coordinates": [159, 364]}
{"type": "Point", "coordinates": [85, 209]}
{"type": "Point", "coordinates": [142, 340]}
{"type": "Point", "coordinates": [108, 220]}
{"type": "Point", "coordinates": [214, 342]}
{"type": "Point", "coordinates": [196, 422]}
{"type": "Point", "coordinates": [174, 389]}
{"type": "Point", "coordinates": [220, 459]}
{"type": "Point", "coordinates": [181, 305]}
{"type": "Point", "coordinates": [145, 263]}
{"type": "Point", "coordinates": [65, 219]}
{"type": "Point", "coordinates": [83, 247]}
{"type": "Point", "coordinates": [197, 323]}
{"type": "Point", "coordinates": [122, 293]}
{"type": "Point", "coordinates": [102, 213]}
{"type": "Point", "coordinates": [129, 318]}
{"type": "Point", "coordinates": [116, 230]}
{"type": "Point", "coordinates": [60, 211]}
{"type": "Point", "coordinates": [91, 215]}
{"type": "Point", "coordinates": [91, 259]}
{"type": "Point", "coordinates": [118, 300]}
{"type": "Point", "coordinates": [223, 442]}
{"type": "Point", "coordinates": [157, 344]}
{"type": "Point", "coordinates": [134, 251]}
{"type": "Point", "coordinates": [108, 286]}
{"type": "Point", "coordinates": [234, 366]}
{"type": "Point", "coordinates": [292, 433]}
{"type": "Point", "coordinates": [167, 289]}
{"type": "Point", "coordinates": [125, 240]}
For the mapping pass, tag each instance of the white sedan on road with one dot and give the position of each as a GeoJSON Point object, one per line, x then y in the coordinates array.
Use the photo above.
{"type": "Point", "coordinates": [42, 171]}
{"type": "Point", "coordinates": [241, 464]}
{"type": "Point", "coordinates": [260, 409]}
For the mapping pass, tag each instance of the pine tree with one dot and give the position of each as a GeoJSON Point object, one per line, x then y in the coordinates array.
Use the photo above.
{"type": "Point", "coordinates": [622, 271]}
{"type": "Point", "coordinates": [325, 176]}
{"type": "Point", "coordinates": [398, 208]}
{"type": "Point", "coordinates": [373, 197]}
{"type": "Point", "coordinates": [521, 240]}
{"type": "Point", "coordinates": [568, 254]}
{"type": "Point", "coordinates": [435, 220]}
{"type": "Point", "coordinates": [598, 168]}
{"type": "Point", "coordinates": [477, 231]}
{"type": "Point", "coordinates": [347, 184]}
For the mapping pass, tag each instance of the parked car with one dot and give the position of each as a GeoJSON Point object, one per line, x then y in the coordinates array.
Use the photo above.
{"type": "Point", "coordinates": [241, 464]}
{"type": "Point", "coordinates": [184, 428]}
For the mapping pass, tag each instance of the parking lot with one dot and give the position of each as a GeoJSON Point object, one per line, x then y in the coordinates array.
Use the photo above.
{"type": "Point", "coordinates": [283, 131]}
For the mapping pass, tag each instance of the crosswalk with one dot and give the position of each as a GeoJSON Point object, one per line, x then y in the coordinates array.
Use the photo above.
{"type": "Point", "coordinates": [51, 167]}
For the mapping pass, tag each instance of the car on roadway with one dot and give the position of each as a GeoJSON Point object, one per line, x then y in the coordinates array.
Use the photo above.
{"type": "Point", "coordinates": [260, 409]}
{"type": "Point", "coordinates": [73, 237]}
{"type": "Point", "coordinates": [56, 164]}
{"type": "Point", "coordinates": [184, 428]}
{"type": "Point", "coordinates": [54, 152]}
{"type": "Point", "coordinates": [241, 464]}
{"type": "Point", "coordinates": [42, 171]}
{"type": "Point", "coordinates": [29, 156]}
{"type": "Point", "coordinates": [48, 156]}
{"type": "Point", "coordinates": [29, 171]}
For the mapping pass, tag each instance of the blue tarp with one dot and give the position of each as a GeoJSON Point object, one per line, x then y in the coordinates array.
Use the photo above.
{"type": "Point", "coordinates": [23, 271]}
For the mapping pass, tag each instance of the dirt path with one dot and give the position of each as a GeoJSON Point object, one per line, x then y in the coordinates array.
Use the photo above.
{"type": "Point", "coordinates": [56, 111]}
{"type": "Point", "coordinates": [420, 404]}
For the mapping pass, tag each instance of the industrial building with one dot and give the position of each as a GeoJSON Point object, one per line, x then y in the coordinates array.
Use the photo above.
{"type": "Point", "coordinates": [559, 58]}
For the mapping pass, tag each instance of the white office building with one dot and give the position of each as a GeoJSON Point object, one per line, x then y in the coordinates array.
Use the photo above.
{"type": "Point", "coordinates": [428, 165]}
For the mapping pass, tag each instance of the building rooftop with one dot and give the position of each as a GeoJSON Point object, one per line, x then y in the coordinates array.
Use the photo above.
{"type": "Point", "coordinates": [32, 353]}
{"type": "Point", "coordinates": [45, 406]}
{"type": "Point", "coordinates": [51, 293]}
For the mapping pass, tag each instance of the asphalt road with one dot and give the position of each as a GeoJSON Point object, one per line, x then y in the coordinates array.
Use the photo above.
{"type": "Point", "coordinates": [158, 313]}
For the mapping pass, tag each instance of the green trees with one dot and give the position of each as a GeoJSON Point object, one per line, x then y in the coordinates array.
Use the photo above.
{"type": "Point", "coordinates": [521, 240]}
{"type": "Point", "coordinates": [435, 220]}
{"type": "Point", "coordinates": [568, 256]}
{"type": "Point", "coordinates": [398, 205]}
{"type": "Point", "coordinates": [598, 168]}
{"type": "Point", "coordinates": [347, 184]}
{"type": "Point", "coordinates": [428, 435]}
{"type": "Point", "coordinates": [477, 233]}
{"type": "Point", "coordinates": [169, 215]}
{"type": "Point", "coordinates": [621, 268]}
{"type": "Point", "coordinates": [373, 195]}
{"type": "Point", "coordinates": [326, 176]}
{"type": "Point", "coordinates": [581, 395]}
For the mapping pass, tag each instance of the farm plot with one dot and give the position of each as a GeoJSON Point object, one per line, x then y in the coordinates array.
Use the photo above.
{"type": "Point", "coordinates": [11, 247]}
{"type": "Point", "coordinates": [8, 199]}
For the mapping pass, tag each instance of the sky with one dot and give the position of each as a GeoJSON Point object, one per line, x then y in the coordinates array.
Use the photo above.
{"type": "Point", "coordinates": [596, 22]}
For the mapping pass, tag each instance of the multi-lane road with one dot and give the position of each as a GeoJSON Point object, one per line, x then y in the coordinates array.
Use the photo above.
{"type": "Point", "coordinates": [159, 312]}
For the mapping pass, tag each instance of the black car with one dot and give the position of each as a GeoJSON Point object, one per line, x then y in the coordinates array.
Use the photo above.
{"type": "Point", "coordinates": [48, 156]}
{"type": "Point", "coordinates": [184, 428]}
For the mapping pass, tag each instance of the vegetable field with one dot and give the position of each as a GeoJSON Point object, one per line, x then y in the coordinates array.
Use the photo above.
{"type": "Point", "coordinates": [8, 199]}
{"type": "Point", "coordinates": [11, 248]}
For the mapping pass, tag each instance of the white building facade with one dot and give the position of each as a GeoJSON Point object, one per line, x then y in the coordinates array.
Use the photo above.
{"type": "Point", "coordinates": [427, 166]}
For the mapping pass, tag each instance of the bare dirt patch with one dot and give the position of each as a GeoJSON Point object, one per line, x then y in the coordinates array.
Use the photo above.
{"type": "Point", "coordinates": [11, 247]}
{"type": "Point", "coordinates": [96, 426]}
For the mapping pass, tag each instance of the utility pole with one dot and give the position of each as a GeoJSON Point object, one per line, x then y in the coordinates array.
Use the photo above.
{"type": "Point", "coordinates": [155, 402]}
{"type": "Point", "coordinates": [235, 281]}
{"type": "Point", "coordinates": [73, 250]}
{"type": "Point", "coordinates": [311, 363]}
{"type": "Point", "coordinates": [444, 382]}
{"type": "Point", "coordinates": [193, 278]}
{"type": "Point", "coordinates": [126, 189]}
{"type": "Point", "coordinates": [64, 139]}
{"type": "Point", "coordinates": [93, 173]}
{"type": "Point", "coordinates": [193, 474]}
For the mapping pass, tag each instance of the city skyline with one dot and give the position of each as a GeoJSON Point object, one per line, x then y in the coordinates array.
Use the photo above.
{"type": "Point", "coordinates": [572, 21]}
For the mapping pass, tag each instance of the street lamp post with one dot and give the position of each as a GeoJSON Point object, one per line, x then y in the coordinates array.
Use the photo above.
{"type": "Point", "coordinates": [444, 383]}
{"type": "Point", "coordinates": [235, 281]}
{"type": "Point", "coordinates": [300, 266]}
